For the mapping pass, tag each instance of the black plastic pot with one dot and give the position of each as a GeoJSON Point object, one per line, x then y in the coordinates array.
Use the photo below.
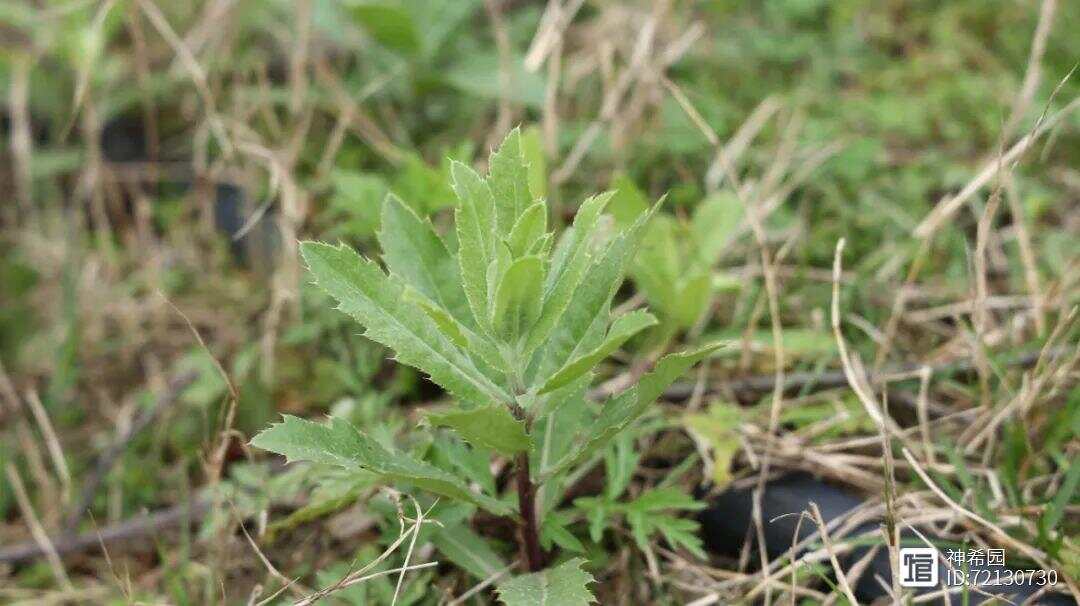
{"type": "Point", "coordinates": [727, 522]}
{"type": "Point", "coordinates": [124, 140]}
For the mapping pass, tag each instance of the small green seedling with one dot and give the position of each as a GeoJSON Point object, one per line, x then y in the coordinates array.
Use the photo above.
{"type": "Point", "coordinates": [511, 324]}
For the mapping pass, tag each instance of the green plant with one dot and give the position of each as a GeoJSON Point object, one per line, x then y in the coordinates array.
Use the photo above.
{"type": "Point", "coordinates": [511, 324]}
{"type": "Point", "coordinates": [674, 268]}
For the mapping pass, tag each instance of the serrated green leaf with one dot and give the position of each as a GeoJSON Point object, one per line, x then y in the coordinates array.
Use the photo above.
{"type": "Point", "coordinates": [414, 252]}
{"type": "Point", "coordinates": [442, 318]}
{"type": "Point", "coordinates": [563, 585]}
{"type": "Point", "coordinates": [554, 432]}
{"type": "Point", "coordinates": [491, 426]}
{"type": "Point", "coordinates": [509, 182]}
{"type": "Point", "coordinates": [621, 330]}
{"type": "Point", "coordinates": [475, 223]}
{"type": "Point", "coordinates": [659, 499]}
{"type": "Point", "coordinates": [590, 299]}
{"type": "Point", "coordinates": [339, 443]}
{"type": "Point", "coordinates": [472, 464]}
{"type": "Point", "coordinates": [568, 267]}
{"type": "Point", "coordinates": [671, 367]}
{"type": "Point", "coordinates": [517, 298]}
{"type": "Point", "coordinates": [377, 301]}
{"type": "Point", "coordinates": [533, 150]}
{"type": "Point", "coordinates": [677, 531]}
{"type": "Point", "coordinates": [644, 517]}
{"type": "Point", "coordinates": [622, 410]}
{"type": "Point", "coordinates": [468, 550]}
{"type": "Point", "coordinates": [680, 531]}
{"type": "Point", "coordinates": [459, 334]}
{"type": "Point", "coordinates": [530, 227]}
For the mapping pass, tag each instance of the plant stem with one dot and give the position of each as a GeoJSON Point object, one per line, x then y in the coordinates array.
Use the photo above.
{"type": "Point", "coordinates": [531, 552]}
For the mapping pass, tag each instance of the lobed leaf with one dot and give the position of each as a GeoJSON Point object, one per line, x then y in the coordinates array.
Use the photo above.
{"type": "Point", "coordinates": [414, 252]}
{"type": "Point", "coordinates": [590, 299]}
{"type": "Point", "coordinates": [568, 267]}
{"type": "Point", "coordinates": [474, 220]}
{"type": "Point", "coordinates": [509, 180]}
{"type": "Point", "coordinates": [622, 410]}
{"type": "Point", "coordinates": [718, 428]}
{"type": "Point", "coordinates": [621, 330]}
{"type": "Point", "coordinates": [491, 426]}
{"type": "Point", "coordinates": [563, 585]}
{"type": "Point", "coordinates": [378, 302]}
{"type": "Point", "coordinates": [659, 499]}
{"type": "Point", "coordinates": [554, 531]}
{"type": "Point", "coordinates": [459, 334]}
{"type": "Point", "coordinates": [339, 443]}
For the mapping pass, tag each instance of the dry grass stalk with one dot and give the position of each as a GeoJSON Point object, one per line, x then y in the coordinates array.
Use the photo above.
{"type": "Point", "coordinates": [359, 576]}
{"type": "Point", "coordinates": [1033, 72]}
{"type": "Point", "coordinates": [22, 144]}
{"type": "Point", "coordinates": [837, 569]}
{"type": "Point", "coordinates": [549, 34]}
{"type": "Point", "coordinates": [1004, 538]}
{"type": "Point", "coordinates": [196, 72]}
{"type": "Point", "coordinates": [505, 113]}
{"type": "Point", "coordinates": [52, 444]}
{"type": "Point", "coordinates": [772, 292]}
{"type": "Point", "coordinates": [41, 537]}
{"type": "Point", "coordinates": [944, 210]}
{"type": "Point", "coordinates": [1027, 253]}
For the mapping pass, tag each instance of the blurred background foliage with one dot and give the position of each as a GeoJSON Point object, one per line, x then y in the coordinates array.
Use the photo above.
{"type": "Point", "coordinates": [161, 159]}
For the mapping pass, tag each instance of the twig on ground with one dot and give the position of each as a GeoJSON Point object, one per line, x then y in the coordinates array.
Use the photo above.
{"type": "Point", "coordinates": [755, 385]}
{"type": "Point", "coordinates": [136, 527]}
